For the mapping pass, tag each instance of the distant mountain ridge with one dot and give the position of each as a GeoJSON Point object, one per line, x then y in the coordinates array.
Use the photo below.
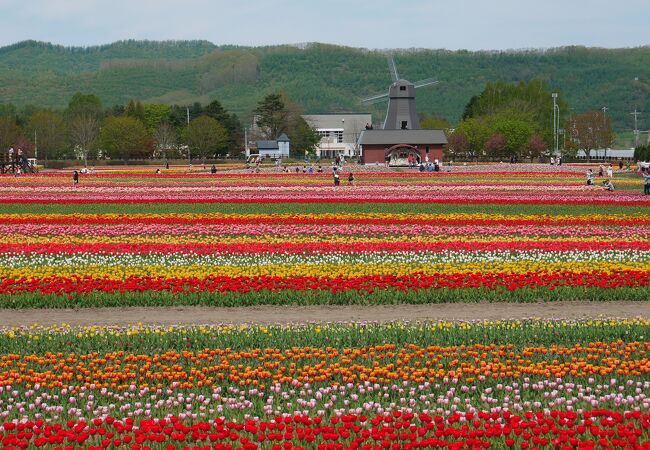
{"type": "Point", "coordinates": [320, 77]}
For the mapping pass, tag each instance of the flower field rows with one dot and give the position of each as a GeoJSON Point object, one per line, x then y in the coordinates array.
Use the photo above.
{"type": "Point", "coordinates": [535, 385]}
{"type": "Point", "coordinates": [124, 239]}
{"type": "Point", "coordinates": [242, 255]}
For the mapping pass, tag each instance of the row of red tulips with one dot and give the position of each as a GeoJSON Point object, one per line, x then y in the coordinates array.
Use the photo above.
{"type": "Point", "coordinates": [401, 430]}
{"type": "Point", "coordinates": [369, 284]}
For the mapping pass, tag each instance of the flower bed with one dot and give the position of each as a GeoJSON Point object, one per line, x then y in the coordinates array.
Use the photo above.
{"type": "Point", "coordinates": [513, 384]}
{"type": "Point", "coordinates": [235, 239]}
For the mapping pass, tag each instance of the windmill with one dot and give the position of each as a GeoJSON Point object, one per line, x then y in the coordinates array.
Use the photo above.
{"type": "Point", "coordinates": [401, 114]}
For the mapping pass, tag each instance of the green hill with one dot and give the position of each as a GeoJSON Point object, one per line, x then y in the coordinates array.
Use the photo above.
{"type": "Point", "coordinates": [322, 78]}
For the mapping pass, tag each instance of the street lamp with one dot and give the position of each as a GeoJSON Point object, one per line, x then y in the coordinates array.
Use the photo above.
{"type": "Point", "coordinates": [556, 123]}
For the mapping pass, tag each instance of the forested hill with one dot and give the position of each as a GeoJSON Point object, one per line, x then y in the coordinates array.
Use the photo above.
{"type": "Point", "coordinates": [321, 78]}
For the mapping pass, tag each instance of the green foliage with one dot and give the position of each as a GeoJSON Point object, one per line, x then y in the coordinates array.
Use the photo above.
{"type": "Point", "coordinates": [304, 138]}
{"type": "Point", "coordinates": [319, 77]}
{"type": "Point", "coordinates": [272, 116]}
{"type": "Point", "coordinates": [155, 114]}
{"type": "Point", "coordinates": [9, 132]}
{"type": "Point", "coordinates": [432, 122]}
{"type": "Point", "coordinates": [642, 153]}
{"type": "Point", "coordinates": [135, 109]}
{"type": "Point", "coordinates": [124, 138]}
{"type": "Point", "coordinates": [84, 104]}
{"type": "Point", "coordinates": [206, 137]}
{"type": "Point", "coordinates": [49, 129]}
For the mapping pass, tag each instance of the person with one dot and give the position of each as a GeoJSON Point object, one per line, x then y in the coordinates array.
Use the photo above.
{"type": "Point", "coordinates": [552, 161]}
{"type": "Point", "coordinates": [297, 169]}
{"type": "Point", "coordinates": [610, 171]}
{"type": "Point", "coordinates": [351, 179]}
{"type": "Point", "coordinates": [75, 178]}
{"type": "Point", "coordinates": [559, 160]}
{"type": "Point", "coordinates": [449, 166]}
{"type": "Point", "coordinates": [337, 178]}
{"type": "Point", "coordinates": [213, 169]}
{"type": "Point", "coordinates": [421, 167]}
{"type": "Point", "coordinates": [608, 186]}
{"type": "Point", "coordinates": [646, 183]}
{"type": "Point", "coordinates": [157, 171]}
{"type": "Point", "coordinates": [590, 177]}
{"type": "Point", "coordinates": [601, 171]}
{"type": "Point", "coordinates": [620, 164]}
{"type": "Point", "coordinates": [320, 169]}
{"type": "Point", "coordinates": [311, 169]}
{"type": "Point", "coordinates": [167, 165]}
{"type": "Point", "coordinates": [429, 167]}
{"type": "Point", "coordinates": [17, 171]}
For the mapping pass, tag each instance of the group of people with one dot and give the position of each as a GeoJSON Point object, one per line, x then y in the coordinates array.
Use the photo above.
{"type": "Point", "coordinates": [337, 177]}
{"type": "Point", "coordinates": [607, 184]}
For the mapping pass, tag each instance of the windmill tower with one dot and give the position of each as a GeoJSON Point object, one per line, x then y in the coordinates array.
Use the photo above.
{"type": "Point", "coordinates": [401, 113]}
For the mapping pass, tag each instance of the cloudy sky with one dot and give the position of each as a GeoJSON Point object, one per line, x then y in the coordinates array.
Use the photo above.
{"type": "Point", "coordinates": [451, 24]}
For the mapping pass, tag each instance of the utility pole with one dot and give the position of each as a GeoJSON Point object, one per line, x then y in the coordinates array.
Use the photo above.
{"type": "Point", "coordinates": [35, 147]}
{"type": "Point", "coordinates": [636, 128]}
{"type": "Point", "coordinates": [556, 124]}
{"type": "Point", "coordinates": [189, 152]}
{"type": "Point", "coordinates": [604, 108]}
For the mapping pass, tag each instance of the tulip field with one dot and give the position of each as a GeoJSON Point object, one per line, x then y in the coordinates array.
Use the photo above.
{"type": "Point", "coordinates": [524, 233]}
{"type": "Point", "coordinates": [273, 238]}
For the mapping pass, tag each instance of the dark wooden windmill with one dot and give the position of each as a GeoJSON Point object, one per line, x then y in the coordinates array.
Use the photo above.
{"type": "Point", "coordinates": [401, 114]}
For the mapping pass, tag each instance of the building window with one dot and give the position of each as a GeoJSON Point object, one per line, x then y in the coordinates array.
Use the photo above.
{"type": "Point", "coordinates": [404, 125]}
{"type": "Point", "coordinates": [402, 88]}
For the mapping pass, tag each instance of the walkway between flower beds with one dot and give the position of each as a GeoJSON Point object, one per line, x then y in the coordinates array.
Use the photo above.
{"type": "Point", "coordinates": [301, 314]}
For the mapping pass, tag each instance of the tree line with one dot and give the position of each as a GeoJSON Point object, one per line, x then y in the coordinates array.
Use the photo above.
{"type": "Point", "coordinates": [514, 121]}
{"type": "Point", "coordinates": [85, 130]}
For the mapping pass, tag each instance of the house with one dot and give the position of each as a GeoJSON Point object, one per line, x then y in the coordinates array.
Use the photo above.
{"type": "Point", "coordinates": [278, 148]}
{"type": "Point", "coordinates": [395, 146]}
{"type": "Point", "coordinates": [339, 133]}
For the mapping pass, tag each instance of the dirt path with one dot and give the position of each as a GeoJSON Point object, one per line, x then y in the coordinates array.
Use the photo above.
{"type": "Point", "coordinates": [294, 314]}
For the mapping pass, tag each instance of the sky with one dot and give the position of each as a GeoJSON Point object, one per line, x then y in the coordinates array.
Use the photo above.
{"type": "Point", "coordinates": [374, 24]}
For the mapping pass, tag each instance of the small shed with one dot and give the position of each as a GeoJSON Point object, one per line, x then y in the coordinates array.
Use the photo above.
{"type": "Point", "coordinates": [278, 148]}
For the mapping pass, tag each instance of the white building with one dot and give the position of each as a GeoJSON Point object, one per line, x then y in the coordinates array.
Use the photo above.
{"type": "Point", "coordinates": [278, 148]}
{"type": "Point", "coordinates": [339, 133]}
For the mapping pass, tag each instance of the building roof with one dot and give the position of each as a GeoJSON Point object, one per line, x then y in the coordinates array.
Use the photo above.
{"type": "Point", "coordinates": [411, 137]}
{"type": "Point", "coordinates": [337, 121]}
{"type": "Point", "coordinates": [267, 145]}
{"type": "Point", "coordinates": [607, 153]}
{"type": "Point", "coordinates": [283, 138]}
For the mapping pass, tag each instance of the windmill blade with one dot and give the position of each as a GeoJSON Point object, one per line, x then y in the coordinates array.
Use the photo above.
{"type": "Point", "coordinates": [393, 68]}
{"type": "Point", "coordinates": [375, 99]}
{"type": "Point", "coordinates": [426, 82]}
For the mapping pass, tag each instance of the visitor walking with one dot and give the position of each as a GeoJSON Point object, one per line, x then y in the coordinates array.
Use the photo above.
{"type": "Point", "coordinates": [590, 177]}
{"type": "Point", "coordinates": [646, 183]}
{"type": "Point", "coordinates": [75, 178]}
{"type": "Point", "coordinates": [337, 178]}
{"type": "Point", "coordinates": [351, 179]}
{"type": "Point", "coordinates": [610, 171]}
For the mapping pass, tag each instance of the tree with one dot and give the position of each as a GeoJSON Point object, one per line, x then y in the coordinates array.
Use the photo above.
{"type": "Point", "coordinates": [476, 132]}
{"type": "Point", "coordinates": [49, 131]}
{"type": "Point", "coordinates": [155, 115]}
{"type": "Point", "coordinates": [272, 116]}
{"type": "Point", "coordinates": [432, 122]}
{"type": "Point", "coordinates": [229, 121]}
{"type": "Point", "coordinates": [124, 138]}
{"type": "Point", "coordinates": [536, 146]}
{"type": "Point", "coordinates": [84, 129]}
{"type": "Point", "coordinates": [9, 132]}
{"type": "Point", "coordinates": [591, 130]}
{"type": "Point", "coordinates": [457, 144]}
{"type": "Point", "coordinates": [304, 138]}
{"type": "Point", "coordinates": [496, 146]}
{"type": "Point", "coordinates": [136, 110]}
{"type": "Point", "coordinates": [515, 131]}
{"type": "Point", "coordinates": [165, 137]}
{"type": "Point", "coordinates": [88, 104]}
{"type": "Point", "coordinates": [206, 137]}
